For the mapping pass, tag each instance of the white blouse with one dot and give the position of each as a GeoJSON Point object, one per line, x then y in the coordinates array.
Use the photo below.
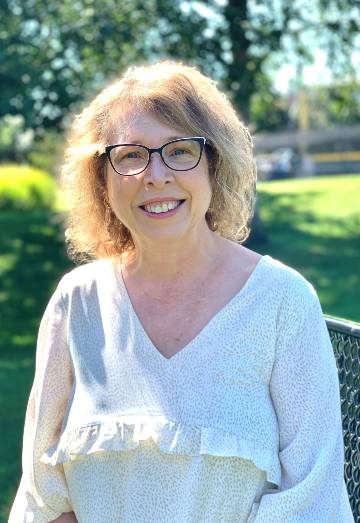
{"type": "Point", "coordinates": [242, 425]}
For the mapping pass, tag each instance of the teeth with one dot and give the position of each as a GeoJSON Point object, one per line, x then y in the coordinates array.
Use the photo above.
{"type": "Point", "coordinates": [158, 208]}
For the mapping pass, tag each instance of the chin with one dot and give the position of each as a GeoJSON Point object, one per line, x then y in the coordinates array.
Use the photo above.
{"type": "Point", "coordinates": [163, 234]}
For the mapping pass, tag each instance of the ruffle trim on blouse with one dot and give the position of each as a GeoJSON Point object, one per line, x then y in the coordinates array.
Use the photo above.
{"type": "Point", "coordinates": [171, 437]}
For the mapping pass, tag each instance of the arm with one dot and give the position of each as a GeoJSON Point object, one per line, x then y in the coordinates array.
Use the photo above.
{"type": "Point", "coordinates": [42, 495]}
{"type": "Point", "coordinates": [305, 391]}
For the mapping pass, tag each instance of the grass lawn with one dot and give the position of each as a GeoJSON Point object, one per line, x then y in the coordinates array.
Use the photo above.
{"type": "Point", "coordinates": [312, 225]}
{"type": "Point", "coordinates": [32, 258]}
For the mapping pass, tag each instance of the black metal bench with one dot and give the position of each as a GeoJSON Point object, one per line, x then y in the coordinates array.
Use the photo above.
{"type": "Point", "coordinates": [345, 339]}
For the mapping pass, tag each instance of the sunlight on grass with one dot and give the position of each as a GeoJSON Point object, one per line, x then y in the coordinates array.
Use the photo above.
{"type": "Point", "coordinates": [313, 225]}
{"type": "Point", "coordinates": [330, 195]}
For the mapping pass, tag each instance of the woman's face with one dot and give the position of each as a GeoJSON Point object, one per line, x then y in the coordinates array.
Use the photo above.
{"type": "Point", "coordinates": [158, 184]}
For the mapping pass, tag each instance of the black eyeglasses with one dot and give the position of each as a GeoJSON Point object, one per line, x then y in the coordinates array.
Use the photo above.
{"type": "Point", "coordinates": [182, 154]}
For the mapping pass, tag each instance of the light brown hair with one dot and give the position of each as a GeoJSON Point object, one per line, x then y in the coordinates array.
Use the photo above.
{"type": "Point", "coordinates": [181, 97]}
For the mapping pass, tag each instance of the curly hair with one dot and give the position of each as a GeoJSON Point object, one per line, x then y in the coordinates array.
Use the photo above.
{"type": "Point", "coordinates": [179, 96]}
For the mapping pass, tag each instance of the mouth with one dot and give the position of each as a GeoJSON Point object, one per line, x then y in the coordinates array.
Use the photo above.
{"type": "Point", "coordinates": [162, 209]}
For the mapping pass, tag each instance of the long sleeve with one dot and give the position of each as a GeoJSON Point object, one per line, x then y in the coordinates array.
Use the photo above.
{"type": "Point", "coordinates": [42, 494]}
{"type": "Point", "coordinates": [305, 392]}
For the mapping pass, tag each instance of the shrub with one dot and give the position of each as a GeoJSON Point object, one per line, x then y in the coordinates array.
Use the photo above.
{"type": "Point", "coordinates": [23, 187]}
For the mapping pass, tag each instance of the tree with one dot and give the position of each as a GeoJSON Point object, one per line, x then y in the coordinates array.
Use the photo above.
{"type": "Point", "coordinates": [250, 34]}
{"type": "Point", "coordinates": [55, 52]}
{"type": "Point", "coordinates": [338, 104]}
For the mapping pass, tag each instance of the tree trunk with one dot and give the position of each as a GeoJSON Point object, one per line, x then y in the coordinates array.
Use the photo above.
{"type": "Point", "coordinates": [240, 79]}
{"type": "Point", "coordinates": [241, 82]}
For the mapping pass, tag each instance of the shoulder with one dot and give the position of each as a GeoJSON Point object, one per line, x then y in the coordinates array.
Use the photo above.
{"type": "Point", "coordinates": [282, 287]}
{"type": "Point", "coordinates": [297, 299]}
{"type": "Point", "coordinates": [288, 279]}
{"type": "Point", "coordinates": [277, 276]}
{"type": "Point", "coordinates": [283, 295]}
{"type": "Point", "coordinates": [281, 292]}
{"type": "Point", "coordinates": [84, 278]}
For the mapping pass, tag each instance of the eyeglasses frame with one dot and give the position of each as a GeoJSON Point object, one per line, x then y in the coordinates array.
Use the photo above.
{"type": "Point", "coordinates": [200, 139]}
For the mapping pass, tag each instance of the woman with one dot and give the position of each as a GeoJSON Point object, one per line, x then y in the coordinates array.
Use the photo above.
{"type": "Point", "coordinates": [180, 376]}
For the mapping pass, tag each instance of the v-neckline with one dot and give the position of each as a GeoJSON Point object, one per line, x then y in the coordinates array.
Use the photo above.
{"type": "Point", "coordinates": [184, 350]}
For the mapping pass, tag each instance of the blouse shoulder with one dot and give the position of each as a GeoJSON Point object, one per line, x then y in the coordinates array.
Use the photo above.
{"type": "Point", "coordinates": [290, 283]}
{"type": "Point", "coordinates": [84, 273]}
{"type": "Point", "coordinates": [297, 303]}
{"type": "Point", "coordinates": [84, 277]}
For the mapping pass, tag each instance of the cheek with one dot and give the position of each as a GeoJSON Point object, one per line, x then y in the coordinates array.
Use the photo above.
{"type": "Point", "coordinates": [121, 191]}
{"type": "Point", "coordinates": [201, 194]}
{"type": "Point", "coordinates": [207, 189]}
{"type": "Point", "coordinates": [200, 183]}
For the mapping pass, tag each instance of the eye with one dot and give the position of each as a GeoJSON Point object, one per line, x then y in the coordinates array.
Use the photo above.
{"type": "Point", "coordinates": [132, 154]}
{"type": "Point", "coordinates": [181, 151]}
{"type": "Point", "coordinates": [178, 152]}
{"type": "Point", "coordinates": [127, 154]}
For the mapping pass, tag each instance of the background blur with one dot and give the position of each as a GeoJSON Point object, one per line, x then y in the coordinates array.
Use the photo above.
{"type": "Point", "coordinates": [291, 68]}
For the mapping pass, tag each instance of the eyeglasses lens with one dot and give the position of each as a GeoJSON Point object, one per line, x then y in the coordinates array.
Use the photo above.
{"type": "Point", "coordinates": [129, 159]}
{"type": "Point", "coordinates": [181, 155]}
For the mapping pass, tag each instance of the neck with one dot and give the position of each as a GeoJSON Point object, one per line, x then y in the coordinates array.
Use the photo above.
{"type": "Point", "coordinates": [180, 260]}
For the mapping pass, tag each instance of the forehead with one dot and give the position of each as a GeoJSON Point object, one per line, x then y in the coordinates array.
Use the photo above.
{"type": "Point", "coordinates": [144, 128]}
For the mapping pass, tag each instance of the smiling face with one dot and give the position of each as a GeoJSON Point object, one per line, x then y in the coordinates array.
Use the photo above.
{"type": "Point", "coordinates": [159, 204]}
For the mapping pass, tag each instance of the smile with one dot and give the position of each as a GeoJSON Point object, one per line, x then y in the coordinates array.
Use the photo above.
{"type": "Point", "coordinates": [162, 209]}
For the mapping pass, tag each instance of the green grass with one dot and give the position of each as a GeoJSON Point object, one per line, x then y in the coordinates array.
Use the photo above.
{"type": "Point", "coordinates": [32, 259]}
{"type": "Point", "coordinates": [312, 225]}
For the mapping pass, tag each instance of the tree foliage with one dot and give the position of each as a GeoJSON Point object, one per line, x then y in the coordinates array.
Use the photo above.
{"type": "Point", "coordinates": [338, 104]}
{"type": "Point", "coordinates": [57, 53]}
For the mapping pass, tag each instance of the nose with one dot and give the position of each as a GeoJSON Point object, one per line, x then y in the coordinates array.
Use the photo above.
{"type": "Point", "coordinates": [157, 174]}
